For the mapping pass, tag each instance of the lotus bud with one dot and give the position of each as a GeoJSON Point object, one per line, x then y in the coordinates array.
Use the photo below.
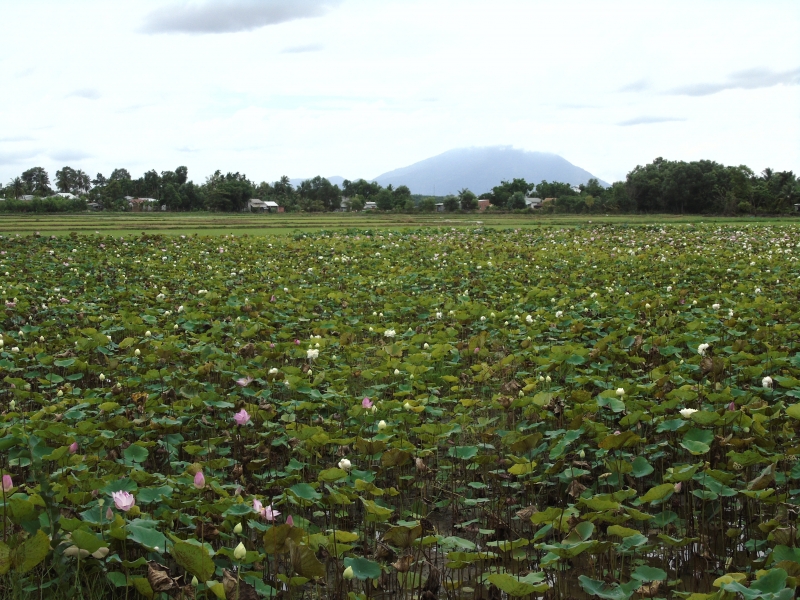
{"type": "Point", "coordinates": [237, 529]}
{"type": "Point", "coordinates": [109, 514]}
{"type": "Point", "coordinates": [73, 447]}
{"type": "Point", "coordinates": [195, 583]}
{"type": "Point", "coordinates": [60, 393]}
{"type": "Point", "coordinates": [381, 425]}
{"type": "Point", "coordinates": [102, 377]}
{"type": "Point", "coordinates": [348, 573]}
{"type": "Point", "coordinates": [240, 552]}
{"type": "Point", "coordinates": [147, 334]}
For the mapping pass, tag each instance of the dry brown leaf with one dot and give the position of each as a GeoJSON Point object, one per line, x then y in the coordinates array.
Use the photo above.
{"type": "Point", "coordinates": [525, 513]}
{"type": "Point", "coordinates": [230, 584]}
{"type": "Point", "coordinates": [403, 564]}
{"type": "Point", "coordinates": [575, 488]}
{"type": "Point", "coordinates": [159, 578]}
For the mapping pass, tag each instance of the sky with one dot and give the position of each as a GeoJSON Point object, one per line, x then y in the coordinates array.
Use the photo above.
{"type": "Point", "coordinates": [356, 88]}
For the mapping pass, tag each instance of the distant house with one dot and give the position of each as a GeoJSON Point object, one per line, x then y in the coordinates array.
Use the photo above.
{"type": "Point", "coordinates": [797, 207]}
{"type": "Point", "coordinates": [370, 206]}
{"type": "Point", "coordinates": [344, 205]}
{"type": "Point", "coordinates": [533, 203]}
{"type": "Point", "coordinates": [26, 197]}
{"type": "Point", "coordinates": [484, 203]}
{"type": "Point", "coordinates": [440, 207]}
{"type": "Point", "coordinates": [256, 205]}
{"type": "Point", "coordinates": [576, 189]}
{"type": "Point", "coordinates": [142, 204]}
{"type": "Point", "coordinates": [94, 206]}
{"type": "Point", "coordinates": [67, 195]}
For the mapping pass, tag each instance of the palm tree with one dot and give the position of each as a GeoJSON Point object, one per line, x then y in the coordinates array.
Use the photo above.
{"type": "Point", "coordinates": [17, 187]}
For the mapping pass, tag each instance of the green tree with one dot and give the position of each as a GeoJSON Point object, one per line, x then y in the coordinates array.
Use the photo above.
{"type": "Point", "coordinates": [191, 197]}
{"type": "Point", "coordinates": [468, 200]}
{"type": "Point", "coordinates": [400, 198]}
{"type": "Point", "coordinates": [16, 187]}
{"type": "Point", "coordinates": [171, 197]}
{"type": "Point", "coordinates": [65, 179]}
{"type": "Point", "coordinates": [366, 189]}
{"type": "Point", "coordinates": [517, 201]}
{"type": "Point", "coordinates": [501, 194]}
{"type": "Point", "coordinates": [451, 203]}
{"type": "Point", "coordinates": [37, 181]}
{"type": "Point", "coordinates": [319, 192]}
{"type": "Point", "coordinates": [427, 204]}
{"type": "Point", "coordinates": [357, 203]}
{"type": "Point", "coordinates": [384, 199]}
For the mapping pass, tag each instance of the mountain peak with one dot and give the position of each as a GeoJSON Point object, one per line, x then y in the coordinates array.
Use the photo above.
{"type": "Point", "coordinates": [482, 168]}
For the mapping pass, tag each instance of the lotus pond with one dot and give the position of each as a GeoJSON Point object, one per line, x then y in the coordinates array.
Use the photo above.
{"type": "Point", "coordinates": [601, 411]}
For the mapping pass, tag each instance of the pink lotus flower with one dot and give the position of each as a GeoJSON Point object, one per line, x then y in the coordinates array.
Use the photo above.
{"type": "Point", "coordinates": [272, 298]}
{"type": "Point", "coordinates": [124, 501]}
{"type": "Point", "coordinates": [267, 512]}
{"type": "Point", "coordinates": [73, 447]}
{"type": "Point", "coordinates": [476, 350]}
{"type": "Point", "coordinates": [241, 417]}
{"type": "Point", "coordinates": [270, 513]}
{"type": "Point", "coordinates": [677, 487]}
{"type": "Point", "coordinates": [366, 402]}
{"type": "Point", "coordinates": [290, 521]}
{"type": "Point", "coordinates": [244, 381]}
{"type": "Point", "coordinates": [297, 342]}
{"type": "Point", "coordinates": [732, 406]}
{"type": "Point", "coordinates": [199, 480]}
{"type": "Point", "coordinates": [7, 483]}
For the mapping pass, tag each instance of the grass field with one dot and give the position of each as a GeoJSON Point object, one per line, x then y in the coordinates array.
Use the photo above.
{"type": "Point", "coordinates": [218, 224]}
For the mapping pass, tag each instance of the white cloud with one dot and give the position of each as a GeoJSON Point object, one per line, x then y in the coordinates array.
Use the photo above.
{"type": "Point", "coordinates": [302, 49]}
{"type": "Point", "coordinates": [750, 79]}
{"type": "Point", "coordinates": [647, 120]}
{"type": "Point", "coordinates": [87, 93]}
{"type": "Point", "coordinates": [221, 16]}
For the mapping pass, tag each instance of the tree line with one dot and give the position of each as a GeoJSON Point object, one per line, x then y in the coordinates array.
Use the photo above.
{"type": "Point", "coordinates": [661, 186]}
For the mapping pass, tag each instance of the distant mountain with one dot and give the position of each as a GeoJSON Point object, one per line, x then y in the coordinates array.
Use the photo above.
{"type": "Point", "coordinates": [480, 169]}
{"type": "Point", "coordinates": [335, 180]}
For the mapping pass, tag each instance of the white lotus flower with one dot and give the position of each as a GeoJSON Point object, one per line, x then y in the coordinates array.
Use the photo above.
{"type": "Point", "coordinates": [312, 353]}
{"type": "Point", "coordinates": [702, 349]}
{"type": "Point", "coordinates": [345, 465]}
{"type": "Point", "coordinates": [389, 333]}
{"type": "Point", "coordinates": [620, 391]}
{"type": "Point", "coordinates": [766, 383]}
{"type": "Point", "coordinates": [687, 412]}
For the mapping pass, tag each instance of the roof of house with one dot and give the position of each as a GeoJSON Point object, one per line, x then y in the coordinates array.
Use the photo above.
{"type": "Point", "coordinates": [271, 204]}
{"type": "Point", "coordinates": [255, 202]}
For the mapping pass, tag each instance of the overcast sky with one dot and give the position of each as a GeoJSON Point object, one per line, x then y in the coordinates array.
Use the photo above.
{"type": "Point", "coordinates": [359, 87]}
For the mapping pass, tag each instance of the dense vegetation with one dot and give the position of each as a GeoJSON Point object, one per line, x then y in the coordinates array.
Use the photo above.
{"type": "Point", "coordinates": [444, 413]}
{"type": "Point", "coordinates": [659, 187]}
